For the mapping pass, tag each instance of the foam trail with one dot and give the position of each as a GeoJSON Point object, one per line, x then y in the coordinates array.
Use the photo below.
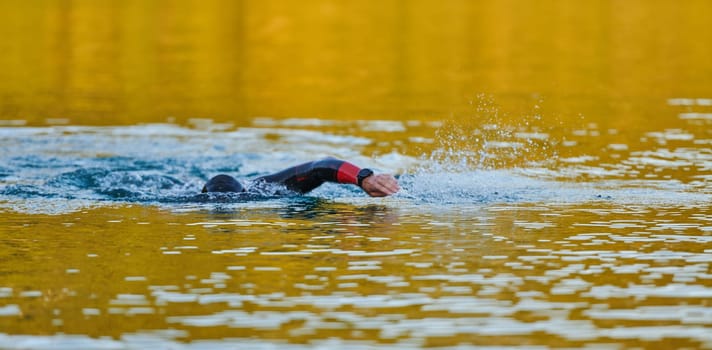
{"type": "Point", "coordinates": [506, 186]}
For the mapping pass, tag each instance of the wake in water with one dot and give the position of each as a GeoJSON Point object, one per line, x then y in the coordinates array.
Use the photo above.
{"type": "Point", "coordinates": [55, 170]}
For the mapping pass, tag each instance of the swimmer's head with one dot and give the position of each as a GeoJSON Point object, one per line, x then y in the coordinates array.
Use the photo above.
{"type": "Point", "coordinates": [223, 183]}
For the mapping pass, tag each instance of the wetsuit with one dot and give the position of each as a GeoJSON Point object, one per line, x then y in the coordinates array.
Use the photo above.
{"type": "Point", "coordinates": [301, 178]}
{"type": "Point", "coordinates": [305, 177]}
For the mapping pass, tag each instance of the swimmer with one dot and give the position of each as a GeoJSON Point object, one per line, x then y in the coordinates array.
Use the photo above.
{"type": "Point", "coordinates": [308, 176]}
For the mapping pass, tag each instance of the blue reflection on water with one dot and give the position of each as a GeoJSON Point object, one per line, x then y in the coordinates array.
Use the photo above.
{"type": "Point", "coordinates": [168, 164]}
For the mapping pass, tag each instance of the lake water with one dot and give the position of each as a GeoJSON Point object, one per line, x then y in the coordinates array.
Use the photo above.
{"type": "Point", "coordinates": [555, 159]}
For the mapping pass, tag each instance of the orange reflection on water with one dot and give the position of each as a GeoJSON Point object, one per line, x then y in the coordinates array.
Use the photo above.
{"type": "Point", "coordinates": [83, 62]}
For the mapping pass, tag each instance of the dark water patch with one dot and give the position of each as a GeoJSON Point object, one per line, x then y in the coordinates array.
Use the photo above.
{"type": "Point", "coordinates": [79, 179]}
{"type": "Point", "coordinates": [4, 172]}
{"type": "Point", "coordinates": [307, 208]}
{"type": "Point", "coordinates": [228, 198]}
{"type": "Point", "coordinates": [28, 191]}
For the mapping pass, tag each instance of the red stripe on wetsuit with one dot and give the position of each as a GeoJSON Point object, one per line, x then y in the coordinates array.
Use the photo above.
{"type": "Point", "coordinates": [347, 174]}
{"type": "Point", "coordinates": [308, 176]}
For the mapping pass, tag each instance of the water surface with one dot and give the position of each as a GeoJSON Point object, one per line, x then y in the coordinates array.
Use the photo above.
{"type": "Point", "coordinates": [461, 256]}
{"type": "Point", "coordinates": [554, 158]}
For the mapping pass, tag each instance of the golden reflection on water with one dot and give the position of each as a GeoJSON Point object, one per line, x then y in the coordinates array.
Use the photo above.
{"type": "Point", "coordinates": [125, 62]}
{"type": "Point", "coordinates": [595, 90]}
{"type": "Point", "coordinates": [387, 273]}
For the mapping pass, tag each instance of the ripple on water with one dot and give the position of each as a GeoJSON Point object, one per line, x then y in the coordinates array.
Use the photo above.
{"type": "Point", "coordinates": [65, 168]}
{"type": "Point", "coordinates": [467, 252]}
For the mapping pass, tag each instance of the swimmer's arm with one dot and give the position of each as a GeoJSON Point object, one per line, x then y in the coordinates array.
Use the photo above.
{"type": "Point", "coordinates": [379, 185]}
{"type": "Point", "coordinates": [308, 176]}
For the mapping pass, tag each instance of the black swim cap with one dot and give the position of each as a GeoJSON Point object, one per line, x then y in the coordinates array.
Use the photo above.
{"type": "Point", "coordinates": [223, 183]}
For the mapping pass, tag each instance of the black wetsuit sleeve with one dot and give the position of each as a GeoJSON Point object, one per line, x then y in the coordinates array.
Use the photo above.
{"type": "Point", "coordinates": [305, 177]}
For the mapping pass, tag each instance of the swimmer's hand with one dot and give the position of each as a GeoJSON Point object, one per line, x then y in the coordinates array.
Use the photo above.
{"type": "Point", "coordinates": [380, 185]}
